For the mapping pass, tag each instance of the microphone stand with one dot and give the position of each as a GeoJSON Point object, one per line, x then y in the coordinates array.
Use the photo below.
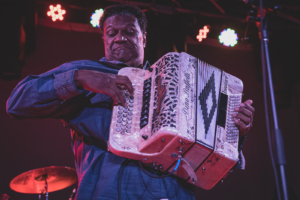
{"type": "Point", "coordinates": [278, 147]}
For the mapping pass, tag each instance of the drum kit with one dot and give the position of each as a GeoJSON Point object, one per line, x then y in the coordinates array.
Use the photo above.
{"type": "Point", "coordinates": [41, 181]}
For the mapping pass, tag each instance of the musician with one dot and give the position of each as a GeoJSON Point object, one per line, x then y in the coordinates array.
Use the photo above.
{"type": "Point", "coordinates": [82, 93]}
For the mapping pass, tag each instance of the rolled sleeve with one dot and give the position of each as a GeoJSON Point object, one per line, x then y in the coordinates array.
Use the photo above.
{"type": "Point", "coordinates": [64, 85]}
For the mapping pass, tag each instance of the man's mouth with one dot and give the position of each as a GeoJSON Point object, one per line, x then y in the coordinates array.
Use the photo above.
{"type": "Point", "coordinates": [120, 47]}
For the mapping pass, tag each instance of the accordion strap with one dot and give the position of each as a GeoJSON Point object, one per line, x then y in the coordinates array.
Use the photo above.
{"type": "Point", "coordinates": [90, 140]}
{"type": "Point", "coordinates": [189, 170]}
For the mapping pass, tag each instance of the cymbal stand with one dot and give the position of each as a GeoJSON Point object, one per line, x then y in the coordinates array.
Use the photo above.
{"type": "Point", "coordinates": [45, 190]}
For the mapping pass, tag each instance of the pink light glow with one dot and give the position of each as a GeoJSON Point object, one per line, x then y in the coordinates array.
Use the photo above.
{"type": "Point", "coordinates": [202, 33]}
{"type": "Point", "coordinates": [56, 12]}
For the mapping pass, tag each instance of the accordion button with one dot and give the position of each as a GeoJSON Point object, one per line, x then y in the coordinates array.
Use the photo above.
{"type": "Point", "coordinates": [146, 96]}
{"type": "Point", "coordinates": [129, 113]}
{"type": "Point", "coordinates": [120, 111]}
{"type": "Point", "coordinates": [129, 122]}
{"type": "Point", "coordinates": [131, 97]}
{"type": "Point", "coordinates": [123, 132]}
{"type": "Point", "coordinates": [144, 117]}
{"type": "Point", "coordinates": [124, 115]}
{"type": "Point", "coordinates": [130, 109]}
{"type": "Point", "coordinates": [125, 110]}
{"type": "Point", "coordinates": [145, 112]}
{"type": "Point", "coordinates": [123, 123]}
{"type": "Point", "coordinates": [146, 91]}
{"type": "Point", "coordinates": [118, 125]}
{"type": "Point", "coordinates": [119, 120]}
{"type": "Point", "coordinates": [123, 128]}
{"type": "Point", "coordinates": [120, 107]}
{"type": "Point", "coordinates": [124, 119]}
{"type": "Point", "coordinates": [147, 85]}
{"type": "Point", "coordinates": [131, 100]}
{"type": "Point", "coordinates": [145, 137]}
{"type": "Point", "coordinates": [128, 126]}
{"type": "Point", "coordinates": [147, 81]}
{"type": "Point", "coordinates": [143, 123]}
{"type": "Point", "coordinates": [131, 105]}
{"type": "Point", "coordinates": [146, 105]}
{"type": "Point", "coordinates": [119, 116]}
{"type": "Point", "coordinates": [118, 129]}
{"type": "Point", "coordinates": [130, 118]}
{"type": "Point", "coordinates": [128, 131]}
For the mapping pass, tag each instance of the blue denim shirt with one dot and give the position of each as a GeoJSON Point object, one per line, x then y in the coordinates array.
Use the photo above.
{"type": "Point", "coordinates": [53, 95]}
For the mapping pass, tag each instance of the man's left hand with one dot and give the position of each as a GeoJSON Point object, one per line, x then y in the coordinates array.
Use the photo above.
{"type": "Point", "coordinates": [244, 117]}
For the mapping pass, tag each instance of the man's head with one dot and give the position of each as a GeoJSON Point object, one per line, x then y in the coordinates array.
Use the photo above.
{"type": "Point", "coordinates": [124, 34]}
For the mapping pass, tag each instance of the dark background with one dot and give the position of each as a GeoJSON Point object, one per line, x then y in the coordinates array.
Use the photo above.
{"type": "Point", "coordinates": [31, 144]}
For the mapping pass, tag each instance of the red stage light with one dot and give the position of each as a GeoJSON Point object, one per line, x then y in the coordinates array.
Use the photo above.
{"type": "Point", "coordinates": [56, 12]}
{"type": "Point", "coordinates": [202, 33]}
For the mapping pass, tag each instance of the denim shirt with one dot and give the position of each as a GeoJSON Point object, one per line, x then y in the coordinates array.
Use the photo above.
{"type": "Point", "coordinates": [100, 175]}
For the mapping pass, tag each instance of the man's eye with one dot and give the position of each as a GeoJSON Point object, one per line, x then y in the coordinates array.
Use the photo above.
{"type": "Point", "coordinates": [110, 33]}
{"type": "Point", "coordinates": [130, 31]}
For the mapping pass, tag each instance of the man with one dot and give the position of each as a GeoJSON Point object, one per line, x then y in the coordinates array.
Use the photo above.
{"type": "Point", "coordinates": [82, 93]}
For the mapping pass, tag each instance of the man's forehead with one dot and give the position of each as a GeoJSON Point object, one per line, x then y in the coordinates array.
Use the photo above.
{"type": "Point", "coordinates": [121, 21]}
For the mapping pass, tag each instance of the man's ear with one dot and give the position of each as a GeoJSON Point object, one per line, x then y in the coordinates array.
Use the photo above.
{"type": "Point", "coordinates": [144, 39]}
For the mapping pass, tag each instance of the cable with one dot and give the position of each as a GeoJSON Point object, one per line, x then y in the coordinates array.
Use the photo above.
{"type": "Point", "coordinates": [163, 176]}
{"type": "Point", "coordinates": [177, 165]}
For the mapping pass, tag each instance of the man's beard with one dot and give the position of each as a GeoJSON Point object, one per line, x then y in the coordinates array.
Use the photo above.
{"type": "Point", "coordinates": [122, 54]}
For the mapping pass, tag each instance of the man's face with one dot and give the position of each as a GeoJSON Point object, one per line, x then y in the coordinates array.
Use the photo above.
{"type": "Point", "coordinates": [124, 40]}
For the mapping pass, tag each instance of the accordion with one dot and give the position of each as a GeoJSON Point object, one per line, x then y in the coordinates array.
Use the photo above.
{"type": "Point", "coordinates": [180, 117]}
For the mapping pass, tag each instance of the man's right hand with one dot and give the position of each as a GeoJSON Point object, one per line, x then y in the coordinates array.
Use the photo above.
{"type": "Point", "coordinates": [104, 83]}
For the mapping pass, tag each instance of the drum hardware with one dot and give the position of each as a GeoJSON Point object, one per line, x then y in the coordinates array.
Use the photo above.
{"type": "Point", "coordinates": [44, 180]}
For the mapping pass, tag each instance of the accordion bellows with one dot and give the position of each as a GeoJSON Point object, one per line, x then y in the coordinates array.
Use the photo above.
{"type": "Point", "coordinates": [182, 109]}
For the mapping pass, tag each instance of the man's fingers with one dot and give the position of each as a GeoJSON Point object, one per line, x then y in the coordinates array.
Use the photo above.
{"type": "Point", "coordinates": [124, 81]}
{"type": "Point", "coordinates": [248, 102]}
{"type": "Point", "coordinates": [244, 118]}
{"type": "Point", "coordinates": [244, 111]}
{"type": "Point", "coordinates": [112, 94]}
{"type": "Point", "coordinates": [247, 105]}
{"type": "Point", "coordinates": [116, 95]}
{"type": "Point", "coordinates": [243, 127]}
{"type": "Point", "coordinates": [120, 94]}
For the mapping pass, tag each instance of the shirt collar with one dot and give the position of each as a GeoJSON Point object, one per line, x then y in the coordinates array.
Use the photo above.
{"type": "Point", "coordinates": [121, 64]}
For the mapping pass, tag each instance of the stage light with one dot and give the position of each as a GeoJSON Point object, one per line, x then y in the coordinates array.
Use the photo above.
{"type": "Point", "coordinates": [56, 13]}
{"type": "Point", "coordinates": [228, 37]}
{"type": "Point", "coordinates": [95, 18]}
{"type": "Point", "coordinates": [202, 33]}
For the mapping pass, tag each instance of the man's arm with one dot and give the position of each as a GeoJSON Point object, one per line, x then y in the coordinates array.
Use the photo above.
{"type": "Point", "coordinates": [99, 82]}
{"type": "Point", "coordinates": [41, 96]}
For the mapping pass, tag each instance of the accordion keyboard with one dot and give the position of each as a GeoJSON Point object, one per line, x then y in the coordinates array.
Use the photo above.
{"type": "Point", "coordinates": [232, 134]}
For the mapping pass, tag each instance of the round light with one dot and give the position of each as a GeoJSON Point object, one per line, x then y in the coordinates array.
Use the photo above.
{"type": "Point", "coordinates": [228, 37]}
{"type": "Point", "coordinates": [95, 18]}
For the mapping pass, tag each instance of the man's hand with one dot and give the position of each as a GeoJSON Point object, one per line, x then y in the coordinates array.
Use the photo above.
{"type": "Point", "coordinates": [244, 117]}
{"type": "Point", "coordinates": [104, 83]}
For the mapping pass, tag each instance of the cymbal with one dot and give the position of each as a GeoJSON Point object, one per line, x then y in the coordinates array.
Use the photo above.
{"type": "Point", "coordinates": [33, 181]}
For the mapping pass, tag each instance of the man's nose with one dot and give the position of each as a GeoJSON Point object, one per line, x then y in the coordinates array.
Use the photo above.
{"type": "Point", "coordinates": [120, 38]}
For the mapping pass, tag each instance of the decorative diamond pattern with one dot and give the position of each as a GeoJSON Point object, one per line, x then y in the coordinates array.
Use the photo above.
{"type": "Point", "coordinates": [209, 87]}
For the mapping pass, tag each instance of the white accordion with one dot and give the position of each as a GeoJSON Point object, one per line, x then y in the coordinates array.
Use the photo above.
{"type": "Point", "coordinates": [181, 109]}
